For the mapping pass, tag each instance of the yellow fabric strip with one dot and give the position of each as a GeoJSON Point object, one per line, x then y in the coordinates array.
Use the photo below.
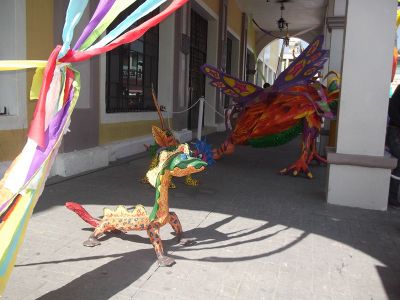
{"type": "Point", "coordinates": [36, 84]}
{"type": "Point", "coordinates": [12, 65]}
{"type": "Point", "coordinates": [398, 18]}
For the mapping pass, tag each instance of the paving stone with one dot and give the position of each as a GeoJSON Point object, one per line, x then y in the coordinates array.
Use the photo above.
{"type": "Point", "coordinates": [259, 236]}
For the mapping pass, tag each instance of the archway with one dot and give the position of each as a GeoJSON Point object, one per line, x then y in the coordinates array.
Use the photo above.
{"type": "Point", "coordinates": [276, 57]}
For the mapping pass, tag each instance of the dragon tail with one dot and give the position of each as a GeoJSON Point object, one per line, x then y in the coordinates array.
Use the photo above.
{"type": "Point", "coordinates": [81, 212]}
{"type": "Point", "coordinates": [226, 148]}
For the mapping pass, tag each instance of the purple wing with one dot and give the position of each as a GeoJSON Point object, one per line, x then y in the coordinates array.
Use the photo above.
{"type": "Point", "coordinates": [304, 67]}
{"type": "Point", "coordinates": [239, 90]}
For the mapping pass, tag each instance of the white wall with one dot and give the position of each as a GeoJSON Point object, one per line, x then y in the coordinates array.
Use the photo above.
{"type": "Point", "coordinates": [13, 47]}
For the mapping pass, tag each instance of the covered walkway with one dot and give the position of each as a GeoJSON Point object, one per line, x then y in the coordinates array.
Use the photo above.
{"type": "Point", "coordinates": [259, 236]}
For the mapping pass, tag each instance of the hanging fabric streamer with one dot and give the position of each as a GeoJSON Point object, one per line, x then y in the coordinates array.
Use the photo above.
{"type": "Point", "coordinates": [102, 9]}
{"type": "Point", "coordinates": [143, 10]}
{"type": "Point", "coordinates": [118, 7]}
{"type": "Point", "coordinates": [13, 65]}
{"type": "Point", "coordinates": [24, 180]}
{"type": "Point", "coordinates": [128, 37]}
{"type": "Point", "coordinates": [74, 14]}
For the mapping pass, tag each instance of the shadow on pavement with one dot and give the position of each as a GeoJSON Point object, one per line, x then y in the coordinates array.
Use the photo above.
{"type": "Point", "coordinates": [244, 185]}
{"type": "Point", "coordinates": [107, 280]}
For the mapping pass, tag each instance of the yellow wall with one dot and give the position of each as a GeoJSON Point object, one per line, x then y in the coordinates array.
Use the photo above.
{"type": "Point", "coordinates": [234, 17]}
{"type": "Point", "coordinates": [213, 4]}
{"type": "Point", "coordinates": [121, 131]}
{"type": "Point", "coordinates": [39, 37]}
{"type": "Point", "coordinates": [39, 44]}
{"type": "Point", "coordinates": [12, 142]}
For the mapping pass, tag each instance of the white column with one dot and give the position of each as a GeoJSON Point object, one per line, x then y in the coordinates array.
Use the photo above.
{"type": "Point", "coordinates": [366, 70]}
{"type": "Point", "coordinates": [212, 39]}
{"type": "Point", "coordinates": [334, 40]}
{"type": "Point", "coordinates": [337, 36]}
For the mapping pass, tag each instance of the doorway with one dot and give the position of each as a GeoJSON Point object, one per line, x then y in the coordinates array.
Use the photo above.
{"type": "Point", "coordinates": [198, 57]}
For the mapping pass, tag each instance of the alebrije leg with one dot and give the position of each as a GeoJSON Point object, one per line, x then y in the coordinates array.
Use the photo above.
{"type": "Point", "coordinates": [177, 227]}
{"type": "Point", "coordinates": [92, 241]}
{"type": "Point", "coordinates": [144, 180]}
{"type": "Point", "coordinates": [189, 180]}
{"type": "Point", "coordinates": [175, 224]}
{"type": "Point", "coordinates": [226, 148]}
{"type": "Point", "coordinates": [172, 185]}
{"type": "Point", "coordinates": [153, 231]}
{"type": "Point", "coordinates": [311, 129]}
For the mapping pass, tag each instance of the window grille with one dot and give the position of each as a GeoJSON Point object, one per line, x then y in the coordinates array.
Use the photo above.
{"type": "Point", "coordinates": [132, 69]}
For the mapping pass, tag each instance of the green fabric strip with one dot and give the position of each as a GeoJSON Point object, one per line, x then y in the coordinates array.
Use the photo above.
{"type": "Point", "coordinates": [118, 7]}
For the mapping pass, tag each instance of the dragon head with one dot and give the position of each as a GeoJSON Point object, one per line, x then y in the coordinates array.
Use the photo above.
{"type": "Point", "coordinates": [163, 137]}
{"type": "Point", "coordinates": [178, 161]}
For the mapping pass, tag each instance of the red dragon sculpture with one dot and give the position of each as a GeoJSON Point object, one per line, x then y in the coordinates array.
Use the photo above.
{"type": "Point", "coordinates": [295, 103]}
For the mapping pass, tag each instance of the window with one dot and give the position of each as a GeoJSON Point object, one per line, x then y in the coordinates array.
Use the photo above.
{"type": "Point", "coordinates": [132, 69]}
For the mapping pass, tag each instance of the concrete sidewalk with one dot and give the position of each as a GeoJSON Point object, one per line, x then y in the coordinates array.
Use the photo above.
{"type": "Point", "coordinates": [259, 236]}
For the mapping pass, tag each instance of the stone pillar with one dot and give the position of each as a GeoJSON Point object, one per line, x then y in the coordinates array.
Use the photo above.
{"type": "Point", "coordinates": [181, 66]}
{"type": "Point", "coordinates": [359, 172]}
{"type": "Point", "coordinates": [334, 39]}
{"type": "Point", "coordinates": [221, 59]}
{"type": "Point", "coordinates": [243, 48]}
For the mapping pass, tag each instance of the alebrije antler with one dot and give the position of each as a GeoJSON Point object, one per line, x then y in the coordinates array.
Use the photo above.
{"type": "Point", "coordinates": [158, 108]}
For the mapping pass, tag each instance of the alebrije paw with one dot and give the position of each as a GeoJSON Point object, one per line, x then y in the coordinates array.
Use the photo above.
{"type": "Point", "coordinates": [192, 182]}
{"type": "Point", "coordinates": [144, 180]}
{"type": "Point", "coordinates": [165, 261]}
{"type": "Point", "coordinates": [187, 242]}
{"type": "Point", "coordinates": [91, 242]}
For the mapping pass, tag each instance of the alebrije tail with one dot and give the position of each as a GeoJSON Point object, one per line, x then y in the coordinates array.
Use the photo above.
{"type": "Point", "coordinates": [225, 148]}
{"type": "Point", "coordinates": [80, 211]}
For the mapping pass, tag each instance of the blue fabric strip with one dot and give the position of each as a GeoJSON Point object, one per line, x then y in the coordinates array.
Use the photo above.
{"type": "Point", "coordinates": [144, 9]}
{"type": "Point", "coordinates": [74, 14]}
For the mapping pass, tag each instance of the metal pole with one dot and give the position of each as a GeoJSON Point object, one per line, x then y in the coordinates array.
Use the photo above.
{"type": "Point", "coordinates": [200, 120]}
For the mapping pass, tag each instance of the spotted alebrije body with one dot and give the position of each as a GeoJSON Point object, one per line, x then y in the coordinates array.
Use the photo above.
{"type": "Point", "coordinates": [171, 163]}
{"type": "Point", "coordinates": [123, 220]}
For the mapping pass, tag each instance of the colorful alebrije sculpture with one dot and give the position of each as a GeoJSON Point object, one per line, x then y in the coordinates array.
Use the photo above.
{"type": "Point", "coordinates": [163, 138]}
{"type": "Point", "coordinates": [273, 116]}
{"type": "Point", "coordinates": [171, 163]}
{"type": "Point", "coordinates": [203, 150]}
{"type": "Point", "coordinates": [56, 85]}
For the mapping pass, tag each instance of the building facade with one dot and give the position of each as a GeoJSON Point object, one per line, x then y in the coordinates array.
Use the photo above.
{"type": "Point", "coordinates": [115, 110]}
{"type": "Point", "coordinates": [114, 114]}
